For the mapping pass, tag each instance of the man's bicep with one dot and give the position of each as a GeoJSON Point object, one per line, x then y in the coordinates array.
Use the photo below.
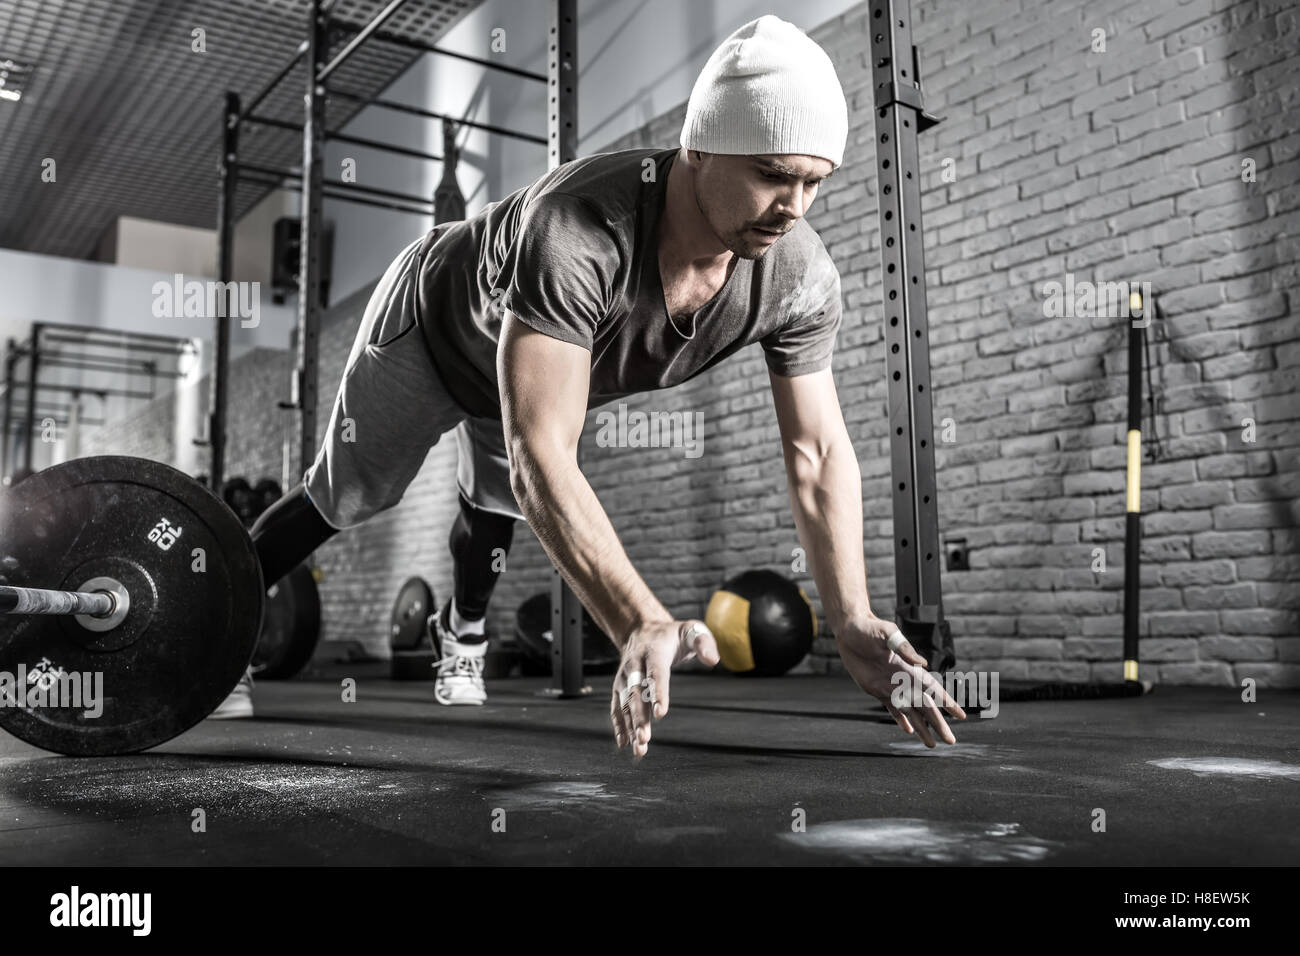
{"type": "Point", "coordinates": [544, 384]}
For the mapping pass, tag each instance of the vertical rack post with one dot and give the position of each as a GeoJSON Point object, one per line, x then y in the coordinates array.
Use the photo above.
{"type": "Point", "coordinates": [6, 436]}
{"type": "Point", "coordinates": [1133, 487]}
{"type": "Point", "coordinates": [225, 273]}
{"type": "Point", "coordinates": [29, 416]}
{"type": "Point", "coordinates": [311, 239]}
{"type": "Point", "coordinates": [562, 147]}
{"type": "Point", "coordinates": [899, 116]}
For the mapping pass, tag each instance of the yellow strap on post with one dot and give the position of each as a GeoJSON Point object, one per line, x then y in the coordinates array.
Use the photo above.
{"type": "Point", "coordinates": [1134, 478]}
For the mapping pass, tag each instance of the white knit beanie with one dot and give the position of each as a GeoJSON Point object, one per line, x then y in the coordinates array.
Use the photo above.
{"type": "Point", "coordinates": [768, 88]}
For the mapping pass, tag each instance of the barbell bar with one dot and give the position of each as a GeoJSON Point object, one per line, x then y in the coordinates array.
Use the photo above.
{"type": "Point", "coordinates": [99, 604]}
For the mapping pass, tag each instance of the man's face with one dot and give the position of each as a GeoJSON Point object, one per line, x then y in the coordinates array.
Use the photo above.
{"type": "Point", "coordinates": [751, 201]}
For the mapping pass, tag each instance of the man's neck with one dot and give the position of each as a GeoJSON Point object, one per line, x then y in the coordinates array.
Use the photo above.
{"type": "Point", "coordinates": [685, 237]}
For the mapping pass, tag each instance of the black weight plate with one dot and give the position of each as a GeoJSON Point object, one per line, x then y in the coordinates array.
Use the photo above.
{"type": "Point", "coordinates": [234, 491]}
{"type": "Point", "coordinates": [534, 637]}
{"type": "Point", "coordinates": [412, 608]}
{"type": "Point", "coordinates": [191, 628]}
{"type": "Point", "coordinates": [413, 665]}
{"type": "Point", "coordinates": [238, 494]}
{"type": "Point", "coordinates": [290, 626]}
{"type": "Point", "coordinates": [266, 493]}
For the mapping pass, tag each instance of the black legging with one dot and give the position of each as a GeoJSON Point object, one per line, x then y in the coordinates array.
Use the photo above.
{"type": "Point", "coordinates": [292, 528]}
{"type": "Point", "coordinates": [287, 532]}
{"type": "Point", "coordinates": [475, 535]}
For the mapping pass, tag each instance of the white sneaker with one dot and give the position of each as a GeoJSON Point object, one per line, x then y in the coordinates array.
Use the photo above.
{"type": "Point", "coordinates": [460, 667]}
{"type": "Point", "coordinates": [238, 703]}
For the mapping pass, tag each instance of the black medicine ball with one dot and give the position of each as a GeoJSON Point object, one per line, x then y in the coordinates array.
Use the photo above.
{"type": "Point", "coordinates": [763, 623]}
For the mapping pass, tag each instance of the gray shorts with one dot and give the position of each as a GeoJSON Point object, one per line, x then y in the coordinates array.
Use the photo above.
{"type": "Point", "coordinates": [391, 409]}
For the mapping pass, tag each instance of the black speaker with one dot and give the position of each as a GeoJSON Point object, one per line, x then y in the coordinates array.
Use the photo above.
{"type": "Point", "coordinates": [286, 253]}
{"type": "Point", "coordinates": [285, 249]}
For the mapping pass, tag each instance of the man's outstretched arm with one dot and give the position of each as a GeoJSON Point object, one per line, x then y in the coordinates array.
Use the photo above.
{"type": "Point", "coordinates": [826, 497]}
{"type": "Point", "coordinates": [544, 386]}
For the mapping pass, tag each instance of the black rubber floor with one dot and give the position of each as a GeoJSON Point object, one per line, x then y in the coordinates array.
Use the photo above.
{"type": "Point", "coordinates": [796, 770]}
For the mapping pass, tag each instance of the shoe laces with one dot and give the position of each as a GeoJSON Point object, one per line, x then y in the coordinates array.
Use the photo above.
{"type": "Point", "coordinates": [455, 665]}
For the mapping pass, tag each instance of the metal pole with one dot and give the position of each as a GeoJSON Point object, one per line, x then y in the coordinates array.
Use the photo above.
{"type": "Point", "coordinates": [324, 72]}
{"type": "Point", "coordinates": [311, 242]}
{"type": "Point", "coordinates": [343, 197]}
{"type": "Point", "coordinates": [1133, 499]}
{"type": "Point", "coordinates": [220, 380]}
{"type": "Point", "coordinates": [129, 339]}
{"type": "Point", "coordinates": [284, 172]}
{"type": "Point", "coordinates": [344, 138]}
{"type": "Point", "coordinates": [334, 186]}
{"type": "Point", "coordinates": [562, 147]}
{"type": "Point", "coordinates": [430, 114]}
{"type": "Point", "coordinates": [176, 349]}
{"type": "Point", "coordinates": [411, 43]}
{"type": "Point", "coordinates": [126, 368]}
{"type": "Point", "coordinates": [338, 186]}
{"type": "Point", "coordinates": [33, 359]}
{"type": "Point", "coordinates": [11, 359]}
{"type": "Point", "coordinates": [256, 101]}
{"type": "Point", "coordinates": [84, 390]}
{"type": "Point", "coordinates": [900, 116]}
{"type": "Point", "coordinates": [127, 365]}
{"type": "Point", "coordinates": [40, 601]}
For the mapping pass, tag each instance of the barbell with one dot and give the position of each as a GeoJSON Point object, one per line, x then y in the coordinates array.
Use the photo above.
{"type": "Point", "coordinates": [131, 599]}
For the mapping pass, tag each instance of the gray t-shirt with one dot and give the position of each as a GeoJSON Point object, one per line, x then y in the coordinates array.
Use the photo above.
{"type": "Point", "coordinates": [575, 256]}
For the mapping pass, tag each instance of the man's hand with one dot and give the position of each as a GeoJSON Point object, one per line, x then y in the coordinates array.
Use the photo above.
{"type": "Point", "coordinates": [864, 648]}
{"type": "Point", "coordinates": [641, 684]}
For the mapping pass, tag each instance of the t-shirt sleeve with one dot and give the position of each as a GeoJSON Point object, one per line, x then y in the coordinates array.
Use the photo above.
{"type": "Point", "coordinates": [806, 342]}
{"type": "Point", "coordinates": [558, 273]}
